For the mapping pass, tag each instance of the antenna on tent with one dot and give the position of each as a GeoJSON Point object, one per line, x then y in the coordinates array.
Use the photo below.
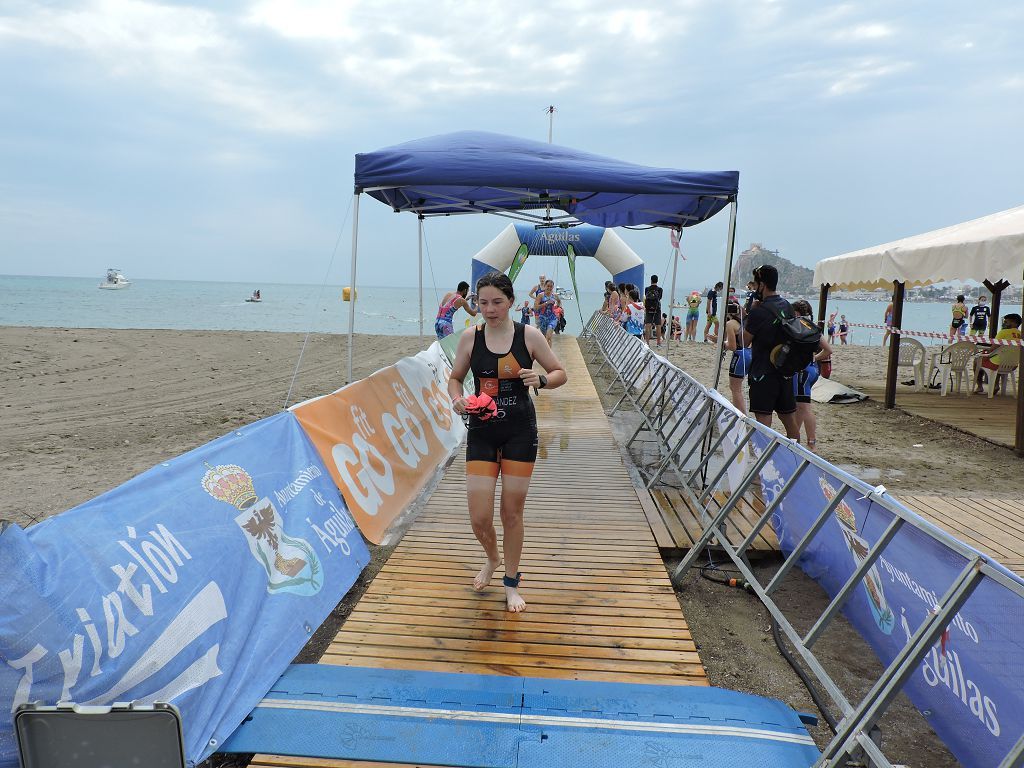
{"type": "Point", "coordinates": [550, 110]}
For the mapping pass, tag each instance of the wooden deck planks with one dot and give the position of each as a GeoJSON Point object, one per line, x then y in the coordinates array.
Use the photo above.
{"type": "Point", "coordinates": [994, 527]}
{"type": "Point", "coordinates": [685, 523]}
{"type": "Point", "coordinates": [991, 419]}
{"type": "Point", "coordinates": [600, 604]}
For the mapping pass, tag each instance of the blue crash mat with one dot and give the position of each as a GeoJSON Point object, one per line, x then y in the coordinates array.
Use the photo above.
{"type": "Point", "coordinates": [392, 715]}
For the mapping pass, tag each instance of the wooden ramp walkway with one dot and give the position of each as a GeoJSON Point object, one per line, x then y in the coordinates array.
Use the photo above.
{"type": "Point", "coordinates": [990, 419]}
{"type": "Point", "coordinates": [600, 602]}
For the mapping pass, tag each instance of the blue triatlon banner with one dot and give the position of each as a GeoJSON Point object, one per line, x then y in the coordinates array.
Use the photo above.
{"type": "Point", "coordinates": [969, 686]}
{"type": "Point", "coordinates": [196, 582]}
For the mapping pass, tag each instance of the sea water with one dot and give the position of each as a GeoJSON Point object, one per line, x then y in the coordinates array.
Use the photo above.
{"type": "Point", "coordinates": [77, 302]}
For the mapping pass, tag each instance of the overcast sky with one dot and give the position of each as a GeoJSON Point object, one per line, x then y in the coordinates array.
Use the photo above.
{"type": "Point", "coordinates": [192, 141]}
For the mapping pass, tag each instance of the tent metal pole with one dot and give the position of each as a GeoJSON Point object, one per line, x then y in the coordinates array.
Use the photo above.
{"type": "Point", "coordinates": [899, 289]}
{"type": "Point", "coordinates": [419, 220]}
{"type": "Point", "coordinates": [1018, 443]}
{"type": "Point", "coordinates": [724, 298]}
{"type": "Point", "coordinates": [352, 286]}
{"type": "Point", "coordinates": [672, 293]}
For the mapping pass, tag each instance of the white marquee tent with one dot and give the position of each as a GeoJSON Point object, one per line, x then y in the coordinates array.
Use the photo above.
{"type": "Point", "coordinates": [990, 248]}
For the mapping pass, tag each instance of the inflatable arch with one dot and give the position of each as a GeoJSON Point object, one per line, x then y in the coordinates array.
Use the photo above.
{"type": "Point", "coordinates": [526, 240]}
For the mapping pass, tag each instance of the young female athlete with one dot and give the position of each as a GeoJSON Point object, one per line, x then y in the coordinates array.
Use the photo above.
{"type": "Point", "coordinates": [546, 302]}
{"type": "Point", "coordinates": [958, 325]}
{"type": "Point", "coordinates": [450, 304]}
{"type": "Point", "coordinates": [804, 381]}
{"type": "Point", "coordinates": [740, 362]}
{"type": "Point", "coordinates": [501, 353]}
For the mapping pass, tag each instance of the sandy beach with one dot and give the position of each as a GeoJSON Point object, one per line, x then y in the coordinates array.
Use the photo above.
{"type": "Point", "coordinates": [879, 445]}
{"type": "Point", "coordinates": [83, 410]}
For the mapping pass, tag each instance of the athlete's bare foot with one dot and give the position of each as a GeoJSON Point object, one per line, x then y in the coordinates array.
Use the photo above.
{"type": "Point", "coordinates": [484, 577]}
{"type": "Point", "coordinates": [514, 600]}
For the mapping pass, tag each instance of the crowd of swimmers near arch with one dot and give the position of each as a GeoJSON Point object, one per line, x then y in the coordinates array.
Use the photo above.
{"type": "Point", "coordinates": [642, 316]}
{"type": "Point", "coordinates": [542, 307]}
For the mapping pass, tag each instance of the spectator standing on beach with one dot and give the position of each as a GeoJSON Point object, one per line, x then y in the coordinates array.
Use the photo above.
{"type": "Point", "coordinates": [988, 362]}
{"type": "Point", "coordinates": [980, 314]}
{"type": "Point", "coordinates": [652, 310]}
{"type": "Point", "coordinates": [692, 315]}
{"type": "Point", "coordinates": [502, 439]}
{"type": "Point", "coordinates": [888, 324]}
{"type": "Point", "coordinates": [749, 297]}
{"type": "Point", "coordinates": [769, 391]}
{"type": "Point", "coordinates": [832, 327]}
{"type": "Point", "coordinates": [677, 328]}
{"type": "Point", "coordinates": [452, 302]}
{"type": "Point", "coordinates": [739, 363]}
{"type": "Point", "coordinates": [712, 312]}
{"type": "Point", "coordinates": [958, 326]}
{"type": "Point", "coordinates": [804, 381]}
{"type": "Point", "coordinates": [844, 329]}
{"type": "Point", "coordinates": [612, 300]}
{"type": "Point", "coordinates": [635, 314]}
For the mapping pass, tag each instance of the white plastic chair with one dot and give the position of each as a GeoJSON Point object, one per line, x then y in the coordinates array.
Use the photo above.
{"type": "Point", "coordinates": [957, 361]}
{"type": "Point", "coordinates": [912, 356]}
{"type": "Point", "coordinates": [1009, 359]}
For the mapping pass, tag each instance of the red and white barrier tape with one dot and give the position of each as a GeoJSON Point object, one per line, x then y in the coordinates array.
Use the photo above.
{"type": "Point", "coordinates": [934, 335]}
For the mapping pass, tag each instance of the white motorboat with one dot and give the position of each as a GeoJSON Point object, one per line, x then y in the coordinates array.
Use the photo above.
{"type": "Point", "coordinates": [115, 281]}
{"type": "Point", "coordinates": [255, 298]}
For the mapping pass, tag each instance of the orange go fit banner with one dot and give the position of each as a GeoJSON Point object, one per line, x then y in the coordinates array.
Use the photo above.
{"type": "Point", "coordinates": [382, 438]}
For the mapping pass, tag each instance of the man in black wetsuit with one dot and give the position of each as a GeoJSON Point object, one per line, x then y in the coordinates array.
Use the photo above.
{"type": "Point", "coordinates": [652, 310]}
{"type": "Point", "coordinates": [769, 391]}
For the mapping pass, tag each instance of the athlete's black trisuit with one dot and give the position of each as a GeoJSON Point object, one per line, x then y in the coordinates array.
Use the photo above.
{"type": "Point", "coordinates": [511, 434]}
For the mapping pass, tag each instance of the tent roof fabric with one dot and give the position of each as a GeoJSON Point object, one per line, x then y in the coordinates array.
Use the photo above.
{"type": "Point", "coordinates": [989, 248]}
{"type": "Point", "coordinates": [474, 172]}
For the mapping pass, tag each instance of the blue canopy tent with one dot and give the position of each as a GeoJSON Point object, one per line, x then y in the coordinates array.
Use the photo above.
{"type": "Point", "coordinates": [549, 185]}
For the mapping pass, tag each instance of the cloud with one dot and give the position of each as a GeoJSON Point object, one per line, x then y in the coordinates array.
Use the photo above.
{"type": "Point", "coordinates": [861, 75]}
{"type": "Point", "coordinates": [183, 51]}
{"type": "Point", "coordinates": [865, 32]}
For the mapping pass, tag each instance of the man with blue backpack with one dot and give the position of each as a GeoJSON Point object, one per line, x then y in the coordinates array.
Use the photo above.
{"type": "Point", "coordinates": [781, 345]}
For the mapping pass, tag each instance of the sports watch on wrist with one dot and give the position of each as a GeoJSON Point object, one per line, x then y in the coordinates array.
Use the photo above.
{"type": "Point", "coordinates": [543, 381]}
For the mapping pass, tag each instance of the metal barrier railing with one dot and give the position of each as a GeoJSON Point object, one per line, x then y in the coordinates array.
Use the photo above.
{"type": "Point", "coordinates": [693, 426]}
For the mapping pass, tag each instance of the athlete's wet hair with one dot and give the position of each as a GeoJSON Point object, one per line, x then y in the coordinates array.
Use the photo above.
{"type": "Point", "coordinates": [960, 298]}
{"type": "Point", "coordinates": [803, 308]}
{"type": "Point", "coordinates": [634, 294]}
{"type": "Point", "coordinates": [497, 280]}
{"type": "Point", "coordinates": [732, 309]}
{"type": "Point", "coordinates": [463, 286]}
